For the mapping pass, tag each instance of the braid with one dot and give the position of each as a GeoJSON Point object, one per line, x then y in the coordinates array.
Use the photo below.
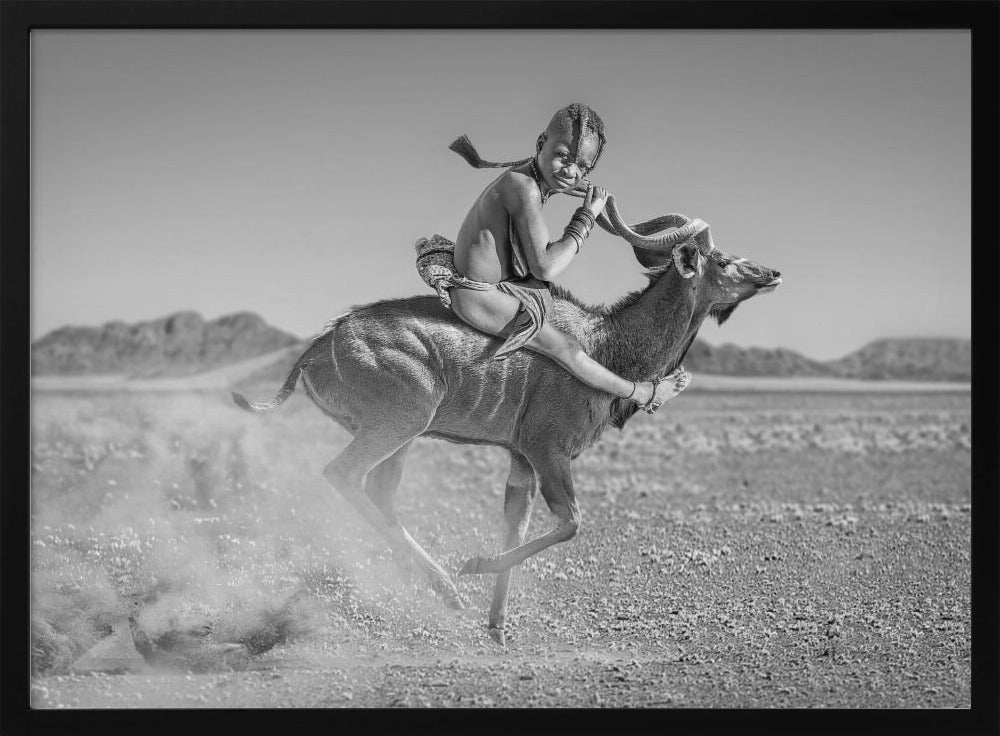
{"type": "Point", "coordinates": [594, 122]}
{"type": "Point", "coordinates": [583, 111]}
{"type": "Point", "coordinates": [584, 120]}
{"type": "Point", "coordinates": [581, 118]}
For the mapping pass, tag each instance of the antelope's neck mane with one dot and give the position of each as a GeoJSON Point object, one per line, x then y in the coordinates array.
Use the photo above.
{"type": "Point", "coordinates": [602, 311]}
{"type": "Point", "coordinates": [646, 332]}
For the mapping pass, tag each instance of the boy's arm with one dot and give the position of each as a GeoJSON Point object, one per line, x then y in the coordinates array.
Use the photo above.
{"type": "Point", "coordinates": [545, 259]}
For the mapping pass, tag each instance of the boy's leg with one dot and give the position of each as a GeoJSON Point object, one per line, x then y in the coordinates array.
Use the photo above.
{"type": "Point", "coordinates": [567, 351]}
{"type": "Point", "coordinates": [489, 311]}
{"type": "Point", "coordinates": [493, 312]}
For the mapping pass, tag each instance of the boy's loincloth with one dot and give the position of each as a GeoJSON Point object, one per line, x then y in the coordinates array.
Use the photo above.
{"type": "Point", "coordinates": [436, 266]}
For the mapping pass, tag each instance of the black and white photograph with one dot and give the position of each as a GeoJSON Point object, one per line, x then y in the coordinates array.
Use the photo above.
{"type": "Point", "coordinates": [500, 368]}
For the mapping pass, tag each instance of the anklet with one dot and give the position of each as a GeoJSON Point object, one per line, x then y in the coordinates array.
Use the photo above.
{"type": "Point", "coordinates": [633, 390]}
{"type": "Point", "coordinates": [651, 406]}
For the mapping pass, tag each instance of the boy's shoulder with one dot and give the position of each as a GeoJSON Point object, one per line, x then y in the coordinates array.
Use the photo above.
{"type": "Point", "coordinates": [519, 189]}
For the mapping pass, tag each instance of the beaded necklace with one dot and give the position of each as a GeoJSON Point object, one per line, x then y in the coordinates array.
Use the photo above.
{"type": "Point", "coordinates": [538, 180]}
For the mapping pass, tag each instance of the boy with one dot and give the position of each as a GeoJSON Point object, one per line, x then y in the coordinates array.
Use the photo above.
{"type": "Point", "coordinates": [504, 244]}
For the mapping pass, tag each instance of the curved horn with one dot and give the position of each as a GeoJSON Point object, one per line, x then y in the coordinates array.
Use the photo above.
{"type": "Point", "coordinates": [682, 228]}
{"type": "Point", "coordinates": [641, 235]}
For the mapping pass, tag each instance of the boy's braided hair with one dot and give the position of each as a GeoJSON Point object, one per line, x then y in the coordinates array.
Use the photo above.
{"type": "Point", "coordinates": [582, 120]}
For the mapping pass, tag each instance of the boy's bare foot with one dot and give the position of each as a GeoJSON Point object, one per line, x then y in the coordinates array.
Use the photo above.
{"type": "Point", "coordinates": [651, 396]}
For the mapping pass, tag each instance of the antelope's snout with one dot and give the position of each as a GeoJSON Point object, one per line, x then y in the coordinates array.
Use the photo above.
{"type": "Point", "coordinates": [771, 284]}
{"type": "Point", "coordinates": [764, 279]}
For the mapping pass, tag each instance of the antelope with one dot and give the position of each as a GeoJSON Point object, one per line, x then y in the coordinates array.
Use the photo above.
{"type": "Point", "coordinates": [398, 369]}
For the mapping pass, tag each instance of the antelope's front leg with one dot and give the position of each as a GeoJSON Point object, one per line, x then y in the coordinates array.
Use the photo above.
{"type": "Point", "coordinates": [518, 500]}
{"type": "Point", "coordinates": [556, 485]}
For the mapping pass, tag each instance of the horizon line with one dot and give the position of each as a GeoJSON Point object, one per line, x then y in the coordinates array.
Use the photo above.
{"type": "Point", "coordinates": [304, 339]}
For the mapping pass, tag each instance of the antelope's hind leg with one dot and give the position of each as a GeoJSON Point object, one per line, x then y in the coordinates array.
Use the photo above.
{"type": "Point", "coordinates": [369, 452]}
{"type": "Point", "coordinates": [380, 486]}
{"type": "Point", "coordinates": [518, 499]}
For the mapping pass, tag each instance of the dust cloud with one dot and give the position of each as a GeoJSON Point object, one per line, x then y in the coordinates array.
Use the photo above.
{"type": "Point", "coordinates": [184, 511]}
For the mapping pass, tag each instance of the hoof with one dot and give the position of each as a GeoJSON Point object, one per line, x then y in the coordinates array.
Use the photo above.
{"type": "Point", "coordinates": [454, 602]}
{"type": "Point", "coordinates": [472, 567]}
{"type": "Point", "coordinates": [498, 636]}
{"type": "Point", "coordinates": [449, 593]}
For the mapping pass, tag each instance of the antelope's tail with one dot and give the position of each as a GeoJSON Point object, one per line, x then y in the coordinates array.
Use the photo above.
{"type": "Point", "coordinates": [258, 407]}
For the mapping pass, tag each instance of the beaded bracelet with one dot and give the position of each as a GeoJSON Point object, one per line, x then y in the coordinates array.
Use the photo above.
{"type": "Point", "coordinates": [586, 214]}
{"type": "Point", "coordinates": [580, 225]}
{"type": "Point", "coordinates": [576, 238]}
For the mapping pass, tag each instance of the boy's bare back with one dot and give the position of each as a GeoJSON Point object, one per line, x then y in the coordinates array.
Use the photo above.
{"type": "Point", "coordinates": [483, 250]}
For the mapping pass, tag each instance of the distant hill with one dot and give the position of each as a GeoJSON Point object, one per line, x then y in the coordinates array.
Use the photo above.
{"type": "Point", "coordinates": [730, 360]}
{"type": "Point", "coordinates": [184, 344]}
{"type": "Point", "coordinates": [900, 359]}
{"type": "Point", "coordinates": [914, 359]}
{"type": "Point", "coordinates": [177, 345]}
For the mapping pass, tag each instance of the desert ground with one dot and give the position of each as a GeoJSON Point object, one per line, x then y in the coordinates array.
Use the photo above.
{"type": "Point", "coordinates": [741, 548]}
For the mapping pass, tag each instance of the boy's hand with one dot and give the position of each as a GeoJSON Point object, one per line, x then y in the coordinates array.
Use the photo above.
{"type": "Point", "coordinates": [597, 197]}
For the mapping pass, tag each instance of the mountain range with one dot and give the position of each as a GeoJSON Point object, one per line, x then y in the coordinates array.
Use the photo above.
{"type": "Point", "coordinates": [180, 344]}
{"type": "Point", "coordinates": [185, 344]}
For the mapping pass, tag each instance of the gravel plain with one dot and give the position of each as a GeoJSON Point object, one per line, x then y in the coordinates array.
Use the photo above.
{"type": "Point", "coordinates": [737, 550]}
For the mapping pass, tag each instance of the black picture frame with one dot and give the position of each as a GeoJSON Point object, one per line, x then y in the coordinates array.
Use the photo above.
{"type": "Point", "coordinates": [19, 18]}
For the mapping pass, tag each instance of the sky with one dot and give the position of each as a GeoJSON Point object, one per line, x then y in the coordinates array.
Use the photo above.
{"type": "Point", "coordinates": [289, 173]}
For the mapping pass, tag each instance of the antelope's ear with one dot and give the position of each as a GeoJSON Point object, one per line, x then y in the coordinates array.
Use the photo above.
{"type": "Point", "coordinates": [688, 259]}
{"type": "Point", "coordinates": [704, 238]}
{"type": "Point", "coordinates": [651, 258]}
